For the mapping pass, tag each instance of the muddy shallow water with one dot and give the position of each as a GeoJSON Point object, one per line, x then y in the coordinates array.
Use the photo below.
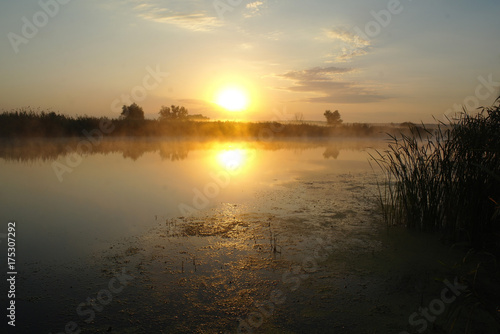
{"type": "Point", "coordinates": [215, 238]}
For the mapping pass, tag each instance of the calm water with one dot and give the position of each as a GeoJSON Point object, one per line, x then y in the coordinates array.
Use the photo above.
{"type": "Point", "coordinates": [122, 191]}
{"type": "Point", "coordinates": [202, 229]}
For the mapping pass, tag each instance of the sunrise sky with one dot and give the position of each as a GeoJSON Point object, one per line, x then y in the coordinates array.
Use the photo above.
{"type": "Point", "coordinates": [373, 60]}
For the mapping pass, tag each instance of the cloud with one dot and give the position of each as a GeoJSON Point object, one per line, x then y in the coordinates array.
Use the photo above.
{"type": "Point", "coordinates": [347, 98]}
{"type": "Point", "coordinates": [255, 4]}
{"type": "Point", "coordinates": [347, 36]}
{"type": "Point", "coordinates": [326, 84]}
{"type": "Point", "coordinates": [195, 15]}
{"type": "Point", "coordinates": [351, 46]}
{"type": "Point", "coordinates": [186, 14]}
{"type": "Point", "coordinates": [317, 73]}
{"type": "Point", "coordinates": [253, 8]}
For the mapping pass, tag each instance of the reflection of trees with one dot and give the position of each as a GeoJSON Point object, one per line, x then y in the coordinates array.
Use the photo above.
{"type": "Point", "coordinates": [49, 150]}
{"type": "Point", "coordinates": [331, 152]}
{"type": "Point", "coordinates": [29, 151]}
{"type": "Point", "coordinates": [174, 153]}
{"type": "Point", "coordinates": [172, 150]}
{"type": "Point", "coordinates": [133, 152]}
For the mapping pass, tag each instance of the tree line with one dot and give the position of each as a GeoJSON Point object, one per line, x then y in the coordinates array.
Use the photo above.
{"type": "Point", "coordinates": [172, 113]}
{"type": "Point", "coordinates": [173, 121]}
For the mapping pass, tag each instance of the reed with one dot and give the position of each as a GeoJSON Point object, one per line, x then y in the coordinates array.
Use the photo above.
{"type": "Point", "coordinates": [36, 123]}
{"type": "Point", "coordinates": [447, 179]}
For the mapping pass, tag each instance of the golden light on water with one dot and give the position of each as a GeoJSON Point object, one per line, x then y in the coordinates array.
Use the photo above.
{"type": "Point", "coordinates": [233, 159]}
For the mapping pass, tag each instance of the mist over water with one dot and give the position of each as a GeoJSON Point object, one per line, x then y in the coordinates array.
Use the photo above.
{"type": "Point", "coordinates": [120, 187]}
{"type": "Point", "coordinates": [124, 188]}
{"type": "Point", "coordinates": [137, 235]}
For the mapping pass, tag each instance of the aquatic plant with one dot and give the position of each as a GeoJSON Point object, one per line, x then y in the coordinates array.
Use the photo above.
{"type": "Point", "coordinates": [446, 180]}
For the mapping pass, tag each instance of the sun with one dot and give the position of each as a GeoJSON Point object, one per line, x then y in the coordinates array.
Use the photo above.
{"type": "Point", "coordinates": [232, 99]}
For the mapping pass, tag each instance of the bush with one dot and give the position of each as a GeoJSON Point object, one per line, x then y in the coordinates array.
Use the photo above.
{"type": "Point", "coordinates": [132, 112]}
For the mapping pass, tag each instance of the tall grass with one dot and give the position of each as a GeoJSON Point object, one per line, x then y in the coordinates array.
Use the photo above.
{"type": "Point", "coordinates": [446, 180]}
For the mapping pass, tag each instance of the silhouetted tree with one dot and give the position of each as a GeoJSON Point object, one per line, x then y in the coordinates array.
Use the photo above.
{"type": "Point", "coordinates": [165, 113]}
{"type": "Point", "coordinates": [173, 113]}
{"type": "Point", "coordinates": [333, 118]}
{"type": "Point", "coordinates": [132, 112]}
{"type": "Point", "coordinates": [299, 117]}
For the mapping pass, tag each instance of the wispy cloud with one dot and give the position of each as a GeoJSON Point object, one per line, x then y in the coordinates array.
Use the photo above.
{"type": "Point", "coordinates": [327, 84]}
{"type": "Point", "coordinates": [315, 74]}
{"type": "Point", "coordinates": [253, 8]}
{"type": "Point", "coordinates": [351, 46]}
{"type": "Point", "coordinates": [188, 14]}
{"type": "Point", "coordinates": [347, 36]}
{"type": "Point", "coordinates": [196, 15]}
{"type": "Point", "coordinates": [361, 97]}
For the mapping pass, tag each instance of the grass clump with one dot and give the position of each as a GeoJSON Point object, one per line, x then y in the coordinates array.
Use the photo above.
{"type": "Point", "coordinates": [446, 180]}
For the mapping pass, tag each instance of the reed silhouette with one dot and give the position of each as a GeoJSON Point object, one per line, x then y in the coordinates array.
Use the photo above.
{"type": "Point", "coordinates": [447, 180]}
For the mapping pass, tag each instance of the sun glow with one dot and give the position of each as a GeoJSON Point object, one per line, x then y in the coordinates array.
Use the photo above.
{"type": "Point", "coordinates": [232, 160]}
{"type": "Point", "coordinates": [232, 99]}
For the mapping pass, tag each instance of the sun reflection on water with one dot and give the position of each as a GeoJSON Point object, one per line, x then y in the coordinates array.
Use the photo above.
{"type": "Point", "coordinates": [233, 159]}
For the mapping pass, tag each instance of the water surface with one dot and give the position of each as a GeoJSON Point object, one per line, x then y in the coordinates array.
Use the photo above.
{"type": "Point", "coordinates": [206, 233]}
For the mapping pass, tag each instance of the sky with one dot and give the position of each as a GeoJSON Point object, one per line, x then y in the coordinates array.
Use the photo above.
{"type": "Point", "coordinates": [373, 60]}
